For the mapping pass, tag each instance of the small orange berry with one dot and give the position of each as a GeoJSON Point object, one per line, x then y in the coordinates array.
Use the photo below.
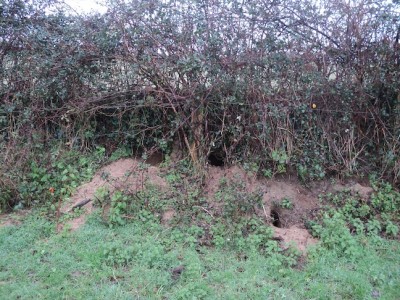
{"type": "Point", "coordinates": [51, 190]}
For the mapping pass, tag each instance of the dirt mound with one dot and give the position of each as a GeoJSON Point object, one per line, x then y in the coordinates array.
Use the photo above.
{"type": "Point", "coordinates": [298, 237]}
{"type": "Point", "coordinates": [286, 204]}
{"type": "Point", "coordinates": [288, 222]}
{"type": "Point", "coordinates": [355, 188]}
{"type": "Point", "coordinates": [129, 175]}
{"type": "Point", "coordinates": [353, 185]}
{"type": "Point", "coordinates": [216, 175]}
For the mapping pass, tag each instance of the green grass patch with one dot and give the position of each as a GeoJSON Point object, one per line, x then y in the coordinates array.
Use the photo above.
{"type": "Point", "coordinates": [227, 254]}
{"type": "Point", "coordinates": [136, 261]}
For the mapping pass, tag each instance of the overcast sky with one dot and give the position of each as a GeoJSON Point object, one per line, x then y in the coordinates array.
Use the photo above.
{"type": "Point", "coordinates": [86, 6]}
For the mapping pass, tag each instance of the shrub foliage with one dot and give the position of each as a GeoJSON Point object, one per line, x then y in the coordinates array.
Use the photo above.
{"type": "Point", "coordinates": [316, 82]}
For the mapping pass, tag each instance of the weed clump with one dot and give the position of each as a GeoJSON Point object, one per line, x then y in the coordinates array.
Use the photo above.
{"type": "Point", "coordinates": [349, 219]}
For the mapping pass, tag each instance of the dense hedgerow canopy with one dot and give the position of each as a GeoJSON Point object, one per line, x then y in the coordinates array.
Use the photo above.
{"type": "Point", "coordinates": [233, 78]}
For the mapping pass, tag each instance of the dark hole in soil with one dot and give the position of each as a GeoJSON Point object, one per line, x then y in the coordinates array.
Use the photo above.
{"type": "Point", "coordinates": [275, 219]}
{"type": "Point", "coordinates": [216, 159]}
{"type": "Point", "coordinates": [155, 159]}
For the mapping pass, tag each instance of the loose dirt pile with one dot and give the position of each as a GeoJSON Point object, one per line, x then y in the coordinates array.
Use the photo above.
{"type": "Point", "coordinates": [288, 223]}
{"type": "Point", "coordinates": [130, 175]}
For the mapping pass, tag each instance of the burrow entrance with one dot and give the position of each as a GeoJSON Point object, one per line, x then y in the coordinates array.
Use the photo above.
{"type": "Point", "coordinates": [275, 218]}
{"type": "Point", "coordinates": [216, 158]}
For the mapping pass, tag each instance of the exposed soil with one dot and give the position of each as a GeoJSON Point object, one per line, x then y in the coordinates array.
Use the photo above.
{"type": "Point", "coordinates": [355, 188]}
{"type": "Point", "coordinates": [288, 223]}
{"type": "Point", "coordinates": [129, 175]}
{"type": "Point", "coordinates": [352, 185]}
{"type": "Point", "coordinates": [303, 201]}
{"type": "Point", "coordinates": [13, 219]}
{"type": "Point", "coordinates": [215, 175]}
{"type": "Point", "coordinates": [167, 216]}
{"type": "Point", "coordinates": [124, 174]}
{"type": "Point", "coordinates": [299, 237]}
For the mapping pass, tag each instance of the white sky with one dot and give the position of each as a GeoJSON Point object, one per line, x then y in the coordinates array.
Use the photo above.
{"type": "Point", "coordinates": [86, 6]}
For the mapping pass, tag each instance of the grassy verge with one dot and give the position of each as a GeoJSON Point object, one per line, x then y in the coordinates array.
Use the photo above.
{"type": "Point", "coordinates": [137, 261]}
{"type": "Point", "coordinates": [130, 253]}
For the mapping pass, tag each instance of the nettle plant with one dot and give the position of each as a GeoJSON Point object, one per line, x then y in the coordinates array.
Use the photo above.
{"type": "Point", "coordinates": [378, 215]}
{"type": "Point", "coordinates": [280, 159]}
{"type": "Point", "coordinates": [286, 203]}
{"type": "Point", "coordinates": [238, 227]}
{"type": "Point", "coordinates": [120, 206]}
{"type": "Point", "coordinates": [237, 201]}
{"type": "Point", "coordinates": [114, 205]}
{"type": "Point", "coordinates": [49, 179]}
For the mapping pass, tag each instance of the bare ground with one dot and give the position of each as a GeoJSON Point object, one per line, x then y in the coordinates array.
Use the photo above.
{"type": "Point", "coordinates": [288, 223]}
{"type": "Point", "coordinates": [131, 176]}
{"type": "Point", "coordinates": [124, 174]}
{"type": "Point", "coordinates": [291, 228]}
{"type": "Point", "coordinates": [13, 219]}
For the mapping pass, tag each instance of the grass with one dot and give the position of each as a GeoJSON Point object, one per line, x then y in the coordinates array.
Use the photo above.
{"type": "Point", "coordinates": [229, 255]}
{"type": "Point", "coordinates": [135, 262]}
